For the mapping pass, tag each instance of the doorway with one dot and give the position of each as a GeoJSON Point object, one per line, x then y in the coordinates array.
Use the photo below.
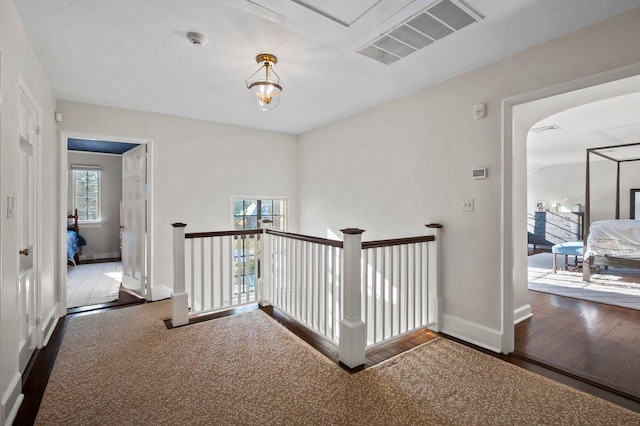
{"type": "Point", "coordinates": [96, 204]}
{"type": "Point", "coordinates": [522, 114]}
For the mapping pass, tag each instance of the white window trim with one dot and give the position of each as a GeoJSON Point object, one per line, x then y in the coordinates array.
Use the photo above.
{"type": "Point", "coordinates": [82, 167]}
{"type": "Point", "coordinates": [261, 197]}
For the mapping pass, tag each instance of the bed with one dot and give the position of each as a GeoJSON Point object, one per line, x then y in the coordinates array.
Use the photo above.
{"type": "Point", "coordinates": [74, 240]}
{"type": "Point", "coordinates": [615, 242]}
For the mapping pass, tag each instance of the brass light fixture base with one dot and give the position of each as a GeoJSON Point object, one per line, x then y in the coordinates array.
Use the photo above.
{"type": "Point", "coordinates": [266, 58]}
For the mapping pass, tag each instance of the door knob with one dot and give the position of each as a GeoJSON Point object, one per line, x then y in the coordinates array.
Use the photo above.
{"type": "Point", "coordinates": [26, 252]}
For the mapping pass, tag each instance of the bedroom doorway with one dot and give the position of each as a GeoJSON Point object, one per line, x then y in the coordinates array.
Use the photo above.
{"type": "Point", "coordinates": [95, 196]}
{"type": "Point", "coordinates": [563, 332]}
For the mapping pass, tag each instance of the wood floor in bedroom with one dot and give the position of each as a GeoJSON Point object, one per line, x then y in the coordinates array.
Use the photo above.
{"type": "Point", "coordinates": [593, 341]}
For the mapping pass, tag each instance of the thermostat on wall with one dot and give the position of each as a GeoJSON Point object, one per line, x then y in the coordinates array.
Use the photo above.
{"type": "Point", "coordinates": [479, 173]}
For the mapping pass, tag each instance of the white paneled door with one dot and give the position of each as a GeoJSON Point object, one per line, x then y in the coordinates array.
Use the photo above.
{"type": "Point", "coordinates": [134, 197]}
{"type": "Point", "coordinates": [25, 203]}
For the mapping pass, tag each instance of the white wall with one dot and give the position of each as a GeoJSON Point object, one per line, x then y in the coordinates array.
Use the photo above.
{"type": "Point", "coordinates": [103, 240]}
{"type": "Point", "coordinates": [196, 168]}
{"type": "Point", "coordinates": [392, 169]}
{"type": "Point", "coordinates": [17, 60]}
{"type": "Point", "coordinates": [557, 183]}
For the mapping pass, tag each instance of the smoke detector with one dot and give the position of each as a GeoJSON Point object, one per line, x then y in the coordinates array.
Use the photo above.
{"type": "Point", "coordinates": [197, 39]}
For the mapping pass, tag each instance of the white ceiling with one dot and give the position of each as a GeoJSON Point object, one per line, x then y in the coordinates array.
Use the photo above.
{"type": "Point", "coordinates": [134, 53]}
{"type": "Point", "coordinates": [600, 116]}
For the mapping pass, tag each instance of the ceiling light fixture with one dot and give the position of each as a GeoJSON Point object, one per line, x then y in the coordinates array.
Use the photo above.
{"type": "Point", "coordinates": [265, 87]}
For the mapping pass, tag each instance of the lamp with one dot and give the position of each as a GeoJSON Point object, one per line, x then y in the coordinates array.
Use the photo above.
{"type": "Point", "coordinates": [265, 88]}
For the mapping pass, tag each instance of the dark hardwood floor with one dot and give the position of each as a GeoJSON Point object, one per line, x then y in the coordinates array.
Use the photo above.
{"type": "Point", "coordinates": [596, 342]}
{"type": "Point", "coordinates": [532, 251]}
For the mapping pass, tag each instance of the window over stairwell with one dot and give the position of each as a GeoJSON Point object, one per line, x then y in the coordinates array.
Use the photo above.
{"type": "Point", "coordinates": [247, 212]}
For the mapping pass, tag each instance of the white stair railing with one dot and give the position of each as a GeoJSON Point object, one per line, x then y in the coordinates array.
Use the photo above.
{"type": "Point", "coordinates": [306, 280]}
{"type": "Point", "coordinates": [215, 271]}
{"type": "Point", "coordinates": [400, 286]}
{"type": "Point", "coordinates": [357, 295]}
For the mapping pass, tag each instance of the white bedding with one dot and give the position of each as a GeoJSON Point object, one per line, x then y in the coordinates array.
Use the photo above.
{"type": "Point", "coordinates": [619, 238]}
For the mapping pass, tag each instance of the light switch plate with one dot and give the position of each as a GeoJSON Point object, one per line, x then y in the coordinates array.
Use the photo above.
{"type": "Point", "coordinates": [467, 204]}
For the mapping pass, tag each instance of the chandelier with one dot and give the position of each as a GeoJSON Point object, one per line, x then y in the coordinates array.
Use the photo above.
{"type": "Point", "coordinates": [265, 83]}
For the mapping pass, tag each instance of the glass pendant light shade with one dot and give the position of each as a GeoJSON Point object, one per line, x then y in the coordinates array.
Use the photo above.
{"type": "Point", "coordinates": [266, 95]}
{"type": "Point", "coordinates": [265, 83]}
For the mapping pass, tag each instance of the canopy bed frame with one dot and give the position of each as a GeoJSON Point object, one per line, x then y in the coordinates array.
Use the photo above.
{"type": "Point", "coordinates": [610, 257]}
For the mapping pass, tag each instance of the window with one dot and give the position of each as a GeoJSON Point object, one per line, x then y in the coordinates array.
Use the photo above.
{"type": "Point", "coordinates": [86, 193]}
{"type": "Point", "coordinates": [247, 213]}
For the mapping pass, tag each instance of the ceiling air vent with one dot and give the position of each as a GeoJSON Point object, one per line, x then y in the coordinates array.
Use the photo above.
{"type": "Point", "coordinates": [433, 23]}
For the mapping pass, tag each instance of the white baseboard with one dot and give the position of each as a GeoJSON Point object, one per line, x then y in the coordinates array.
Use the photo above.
{"type": "Point", "coordinates": [48, 324]}
{"type": "Point", "coordinates": [11, 400]}
{"type": "Point", "coordinates": [62, 309]}
{"type": "Point", "coordinates": [522, 313]}
{"type": "Point", "coordinates": [471, 332]}
{"type": "Point", "coordinates": [94, 256]}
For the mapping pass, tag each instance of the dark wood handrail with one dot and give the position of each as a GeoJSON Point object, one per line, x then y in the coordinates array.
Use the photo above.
{"type": "Point", "coordinates": [317, 240]}
{"type": "Point", "coordinates": [223, 233]}
{"type": "Point", "coordinates": [397, 241]}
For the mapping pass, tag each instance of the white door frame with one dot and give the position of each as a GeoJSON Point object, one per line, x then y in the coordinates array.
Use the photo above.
{"type": "Point", "coordinates": [63, 175]}
{"type": "Point", "coordinates": [511, 195]}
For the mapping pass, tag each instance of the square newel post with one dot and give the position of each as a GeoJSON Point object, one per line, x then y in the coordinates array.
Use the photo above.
{"type": "Point", "coordinates": [179, 297]}
{"type": "Point", "coordinates": [353, 332]}
{"type": "Point", "coordinates": [264, 281]}
{"type": "Point", "coordinates": [434, 290]}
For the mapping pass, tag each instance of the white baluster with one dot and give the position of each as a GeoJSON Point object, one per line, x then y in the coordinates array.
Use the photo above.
{"type": "Point", "coordinates": [179, 297]}
{"type": "Point", "coordinates": [353, 338]}
{"type": "Point", "coordinates": [264, 283]}
{"type": "Point", "coordinates": [202, 280]}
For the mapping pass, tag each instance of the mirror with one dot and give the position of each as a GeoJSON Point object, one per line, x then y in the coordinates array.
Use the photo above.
{"type": "Point", "coordinates": [635, 204]}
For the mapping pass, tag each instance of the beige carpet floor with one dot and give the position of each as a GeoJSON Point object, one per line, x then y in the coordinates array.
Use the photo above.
{"type": "Point", "coordinates": [124, 367]}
